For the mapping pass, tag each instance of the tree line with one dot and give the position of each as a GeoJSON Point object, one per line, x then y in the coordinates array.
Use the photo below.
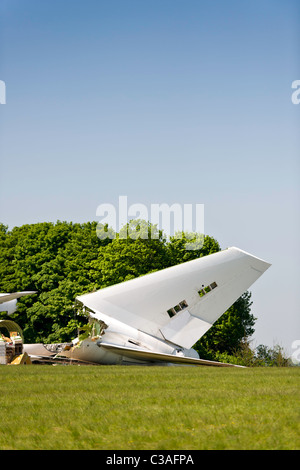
{"type": "Point", "coordinates": [64, 259]}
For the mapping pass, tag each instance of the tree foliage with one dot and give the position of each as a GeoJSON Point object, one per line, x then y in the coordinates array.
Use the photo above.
{"type": "Point", "coordinates": [230, 329]}
{"type": "Point", "coordinates": [261, 356]}
{"type": "Point", "coordinates": [65, 259]}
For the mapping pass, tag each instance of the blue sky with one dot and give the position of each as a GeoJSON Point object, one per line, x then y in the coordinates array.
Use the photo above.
{"type": "Point", "coordinates": [165, 102]}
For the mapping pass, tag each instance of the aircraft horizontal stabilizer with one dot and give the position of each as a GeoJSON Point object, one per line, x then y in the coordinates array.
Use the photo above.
{"type": "Point", "coordinates": [14, 295]}
{"type": "Point", "coordinates": [144, 355]}
{"type": "Point", "coordinates": [8, 301]}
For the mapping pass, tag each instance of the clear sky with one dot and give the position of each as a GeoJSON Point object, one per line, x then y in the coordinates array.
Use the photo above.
{"type": "Point", "coordinates": [165, 101]}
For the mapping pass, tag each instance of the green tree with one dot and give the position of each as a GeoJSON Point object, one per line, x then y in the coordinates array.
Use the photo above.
{"type": "Point", "coordinates": [227, 334]}
{"type": "Point", "coordinates": [177, 247]}
{"type": "Point", "coordinates": [275, 356]}
{"type": "Point", "coordinates": [54, 260]}
{"type": "Point", "coordinates": [134, 252]}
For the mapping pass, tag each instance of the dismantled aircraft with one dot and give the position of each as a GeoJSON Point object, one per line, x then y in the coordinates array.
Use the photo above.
{"type": "Point", "coordinates": [158, 317]}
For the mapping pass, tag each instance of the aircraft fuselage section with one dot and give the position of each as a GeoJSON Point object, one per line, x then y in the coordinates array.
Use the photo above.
{"type": "Point", "coordinates": [119, 334]}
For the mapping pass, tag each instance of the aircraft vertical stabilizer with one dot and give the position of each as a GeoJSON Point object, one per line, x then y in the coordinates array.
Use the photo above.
{"type": "Point", "coordinates": [179, 304]}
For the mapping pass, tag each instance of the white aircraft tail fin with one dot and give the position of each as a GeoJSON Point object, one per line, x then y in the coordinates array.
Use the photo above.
{"type": "Point", "coordinates": [179, 304]}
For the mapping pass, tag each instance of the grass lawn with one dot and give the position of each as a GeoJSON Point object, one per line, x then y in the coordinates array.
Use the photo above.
{"type": "Point", "coordinates": [154, 408]}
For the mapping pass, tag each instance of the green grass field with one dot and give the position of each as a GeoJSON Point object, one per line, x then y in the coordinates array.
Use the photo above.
{"type": "Point", "coordinates": [155, 408]}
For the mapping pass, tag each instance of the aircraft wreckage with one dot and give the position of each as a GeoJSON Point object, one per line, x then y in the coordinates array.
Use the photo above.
{"type": "Point", "coordinates": [158, 317]}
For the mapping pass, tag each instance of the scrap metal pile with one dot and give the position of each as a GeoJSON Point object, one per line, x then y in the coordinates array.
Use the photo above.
{"type": "Point", "coordinates": [11, 346]}
{"type": "Point", "coordinates": [13, 351]}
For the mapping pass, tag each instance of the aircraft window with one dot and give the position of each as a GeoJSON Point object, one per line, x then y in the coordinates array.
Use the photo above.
{"type": "Point", "coordinates": [207, 289]}
{"type": "Point", "coordinates": [171, 312]}
{"type": "Point", "coordinates": [177, 308]}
